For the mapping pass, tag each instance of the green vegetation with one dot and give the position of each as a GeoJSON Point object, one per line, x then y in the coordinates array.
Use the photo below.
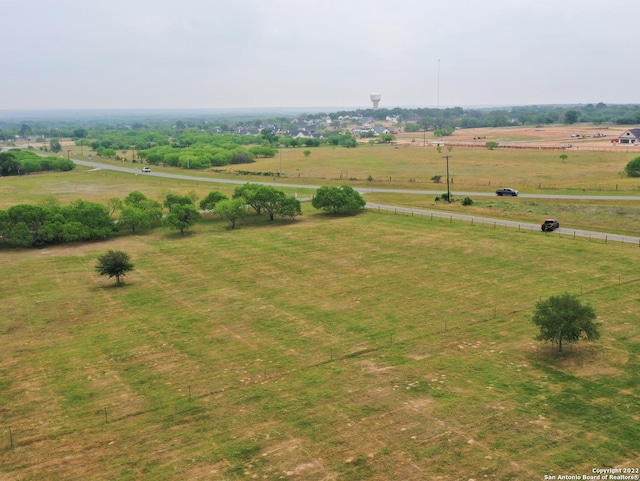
{"type": "Point", "coordinates": [338, 199]}
{"type": "Point", "coordinates": [632, 169]}
{"type": "Point", "coordinates": [351, 347]}
{"type": "Point", "coordinates": [19, 162]}
{"type": "Point", "coordinates": [564, 318]}
{"type": "Point", "coordinates": [114, 264]}
{"type": "Point", "coordinates": [403, 349]}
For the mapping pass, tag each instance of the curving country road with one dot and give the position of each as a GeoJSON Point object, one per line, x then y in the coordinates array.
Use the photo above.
{"type": "Point", "coordinates": [408, 210]}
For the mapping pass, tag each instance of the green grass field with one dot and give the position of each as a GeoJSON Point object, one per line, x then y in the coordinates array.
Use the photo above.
{"type": "Point", "coordinates": [368, 347]}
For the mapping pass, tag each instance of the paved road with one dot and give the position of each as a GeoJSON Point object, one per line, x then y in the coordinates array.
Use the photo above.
{"type": "Point", "coordinates": [480, 220]}
{"type": "Point", "coordinates": [362, 190]}
{"type": "Point", "coordinates": [603, 236]}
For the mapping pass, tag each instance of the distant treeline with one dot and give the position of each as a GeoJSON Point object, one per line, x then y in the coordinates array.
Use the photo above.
{"type": "Point", "coordinates": [168, 124]}
{"type": "Point", "coordinates": [17, 162]}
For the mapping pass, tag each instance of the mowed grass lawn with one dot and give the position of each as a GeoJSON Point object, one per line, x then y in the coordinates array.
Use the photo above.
{"type": "Point", "coordinates": [369, 347]}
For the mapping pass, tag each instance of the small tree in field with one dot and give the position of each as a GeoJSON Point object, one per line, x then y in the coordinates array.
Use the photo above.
{"type": "Point", "coordinates": [632, 169]}
{"type": "Point", "coordinates": [565, 319]}
{"type": "Point", "coordinates": [563, 157]}
{"type": "Point", "coordinates": [114, 264]}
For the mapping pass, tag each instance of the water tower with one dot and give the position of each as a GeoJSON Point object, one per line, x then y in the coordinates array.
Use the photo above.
{"type": "Point", "coordinates": [375, 98]}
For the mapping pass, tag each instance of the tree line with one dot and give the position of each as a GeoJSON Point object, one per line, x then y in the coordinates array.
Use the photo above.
{"type": "Point", "coordinates": [19, 162]}
{"type": "Point", "coordinates": [50, 223]}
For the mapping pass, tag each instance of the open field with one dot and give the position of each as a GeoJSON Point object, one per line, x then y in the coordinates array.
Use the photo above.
{"type": "Point", "coordinates": [407, 164]}
{"type": "Point", "coordinates": [410, 167]}
{"type": "Point", "coordinates": [369, 347]}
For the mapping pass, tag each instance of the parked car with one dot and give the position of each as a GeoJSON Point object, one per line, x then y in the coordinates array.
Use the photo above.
{"type": "Point", "coordinates": [507, 191]}
{"type": "Point", "coordinates": [550, 225]}
{"type": "Point", "coordinates": [146, 170]}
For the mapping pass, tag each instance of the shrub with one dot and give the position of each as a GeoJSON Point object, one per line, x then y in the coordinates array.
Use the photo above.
{"type": "Point", "coordinates": [467, 201]}
{"type": "Point", "coordinates": [633, 168]}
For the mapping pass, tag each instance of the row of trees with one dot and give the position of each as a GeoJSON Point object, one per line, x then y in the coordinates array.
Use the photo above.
{"type": "Point", "coordinates": [50, 223]}
{"type": "Point", "coordinates": [18, 162]}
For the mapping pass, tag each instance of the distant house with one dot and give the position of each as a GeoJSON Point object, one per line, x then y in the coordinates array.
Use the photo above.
{"type": "Point", "coordinates": [630, 137]}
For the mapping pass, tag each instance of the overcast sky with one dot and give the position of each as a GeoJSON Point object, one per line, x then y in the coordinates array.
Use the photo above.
{"type": "Point", "coordinates": [126, 54]}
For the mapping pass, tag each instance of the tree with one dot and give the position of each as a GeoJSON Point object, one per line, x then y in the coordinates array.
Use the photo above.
{"type": "Point", "coordinates": [563, 157]}
{"type": "Point", "coordinates": [181, 217]}
{"type": "Point", "coordinates": [491, 145]}
{"type": "Point", "coordinates": [565, 319]}
{"type": "Point", "coordinates": [289, 207]}
{"type": "Point", "coordinates": [173, 199]}
{"type": "Point", "coordinates": [25, 130]}
{"type": "Point", "coordinates": [9, 164]}
{"type": "Point", "coordinates": [232, 210]}
{"type": "Point", "coordinates": [54, 145]}
{"type": "Point", "coordinates": [571, 116]}
{"type": "Point", "coordinates": [338, 199]}
{"type": "Point", "coordinates": [114, 264]}
{"type": "Point", "coordinates": [633, 167]}
{"type": "Point", "coordinates": [251, 195]}
{"type": "Point", "coordinates": [212, 198]}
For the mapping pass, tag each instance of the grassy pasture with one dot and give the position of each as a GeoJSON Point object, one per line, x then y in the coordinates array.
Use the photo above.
{"type": "Point", "coordinates": [620, 216]}
{"type": "Point", "coordinates": [410, 165]}
{"type": "Point", "coordinates": [472, 168]}
{"type": "Point", "coordinates": [370, 347]}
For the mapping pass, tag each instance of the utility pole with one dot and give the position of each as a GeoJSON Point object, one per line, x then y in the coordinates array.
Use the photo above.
{"type": "Point", "coordinates": [448, 185]}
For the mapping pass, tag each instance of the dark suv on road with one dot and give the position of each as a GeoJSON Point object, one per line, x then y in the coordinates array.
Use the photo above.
{"type": "Point", "coordinates": [550, 225]}
{"type": "Point", "coordinates": [507, 191]}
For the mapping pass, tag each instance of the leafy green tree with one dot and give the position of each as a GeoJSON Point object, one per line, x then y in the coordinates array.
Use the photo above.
{"type": "Point", "coordinates": [563, 157]}
{"type": "Point", "coordinates": [9, 164]}
{"type": "Point", "coordinates": [338, 199]}
{"type": "Point", "coordinates": [565, 319]}
{"type": "Point", "coordinates": [386, 138]}
{"type": "Point", "coordinates": [26, 221]}
{"type": "Point", "coordinates": [491, 145]}
{"type": "Point", "coordinates": [94, 216]}
{"type": "Point", "coordinates": [55, 146]}
{"type": "Point", "coordinates": [135, 217]}
{"type": "Point", "coordinates": [114, 264]}
{"type": "Point", "coordinates": [271, 199]}
{"type": "Point", "coordinates": [25, 131]}
{"type": "Point", "coordinates": [632, 169]}
{"type": "Point", "coordinates": [182, 217]}
{"type": "Point", "coordinates": [251, 195]}
{"type": "Point", "coordinates": [176, 199]}
{"type": "Point", "coordinates": [306, 153]}
{"type": "Point", "coordinates": [571, 116]}
{"type": "Point", "coordinates": [212, 198]}
{"type": "Point", "coordinates": [232, 210]}
{"type": "Point", "coordinates": [114, 205]}
{"type": "Point", "coordinates": [289, 207]}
